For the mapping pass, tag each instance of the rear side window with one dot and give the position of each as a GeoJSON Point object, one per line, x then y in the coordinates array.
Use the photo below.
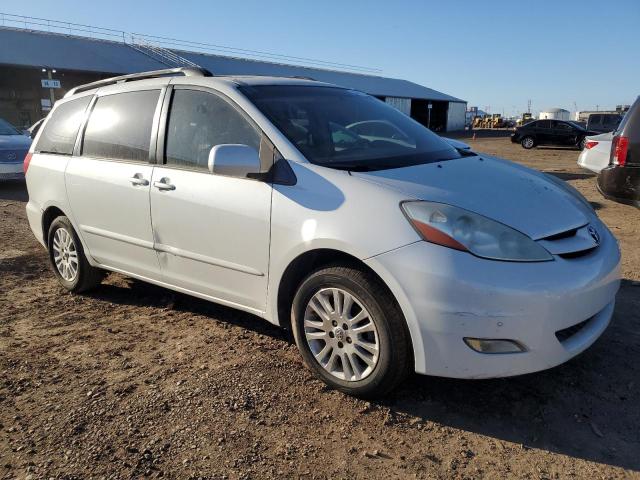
{"type": "Point", "coordinates": [119, 127]}
{"type": "Point", "coordinates": [198, 121]}
{"type": "Point", "coordinates": [59, 134]}
{"type": "Point", "coordinates": [611, 120]}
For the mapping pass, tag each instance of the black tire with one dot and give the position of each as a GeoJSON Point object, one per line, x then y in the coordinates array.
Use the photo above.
{"type": "Point", "coordinates": [395, 354]}
{"type": "Point", "coordinates": [528, 142]}
{"type": "Point", "coordinates": [86, 277]}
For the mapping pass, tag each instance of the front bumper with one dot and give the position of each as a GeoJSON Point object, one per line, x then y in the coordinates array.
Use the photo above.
{"type": "Point", "coordinates": [11, 171]}
{"type": "Point", "coordinates": [447, 295]}
{"type": "Point", "coordinates": [515, 138]}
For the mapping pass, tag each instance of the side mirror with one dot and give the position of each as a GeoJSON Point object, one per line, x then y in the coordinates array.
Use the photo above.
{"type": "Point", "coordinates": [234, 160]}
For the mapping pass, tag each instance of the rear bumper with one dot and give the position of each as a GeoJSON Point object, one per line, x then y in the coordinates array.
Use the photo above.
{"type": "Point", "coordinates": [586, 163]}
{"type": "Point", "coordinates": [34, 216]}
{"type": "Point", "coordinates": [448, 295]}
{"type": "Point", "coordinates": [11, 171]}
{"type": "Point", "coordinates": [621, 183]}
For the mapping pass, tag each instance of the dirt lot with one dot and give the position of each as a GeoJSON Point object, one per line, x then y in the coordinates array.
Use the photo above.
{"type": "Point", "coordinates": [133, 380]}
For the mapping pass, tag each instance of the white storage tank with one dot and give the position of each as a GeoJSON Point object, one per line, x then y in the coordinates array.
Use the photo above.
{"type": "Point", "coordinates": [555, 114]}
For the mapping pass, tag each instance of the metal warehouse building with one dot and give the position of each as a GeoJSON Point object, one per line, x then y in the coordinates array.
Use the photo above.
{"type": "Point", "coordinates": [38, 67]}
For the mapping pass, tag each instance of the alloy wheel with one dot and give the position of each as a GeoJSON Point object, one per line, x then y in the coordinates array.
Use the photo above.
{"type": "Point", "coordinates": [341, 334]}
{"type": "Point", "coordinates": [65, 254]}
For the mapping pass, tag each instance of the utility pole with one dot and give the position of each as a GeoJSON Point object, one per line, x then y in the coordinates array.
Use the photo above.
{"type": "Point", "coordinates": [529, 106]}
{"type": "Point", "coordinates": [50, 72]}
{"type": "Point", "coordinates": [51, 95]}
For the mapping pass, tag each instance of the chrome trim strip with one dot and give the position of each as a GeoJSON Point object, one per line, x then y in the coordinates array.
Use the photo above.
{"type": "Point", "coordinates": [209, 260]}
{"type": "Point", "coordinates": [117, 236]}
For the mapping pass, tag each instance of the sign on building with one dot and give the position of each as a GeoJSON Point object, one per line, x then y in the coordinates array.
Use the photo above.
{"type": "Point", "coordinates": [50, 83]}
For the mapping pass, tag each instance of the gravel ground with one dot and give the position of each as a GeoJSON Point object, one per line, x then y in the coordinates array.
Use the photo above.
{"type": "Point", "coordinates": [133, 380]}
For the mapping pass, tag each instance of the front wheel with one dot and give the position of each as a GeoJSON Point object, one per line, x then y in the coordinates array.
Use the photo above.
{"type": "Point", "coordinates": [528, 143]}
{"type": "Point", "coordinates": [350, 331]}
{"type": "Point", "coordinates": [68, 259]}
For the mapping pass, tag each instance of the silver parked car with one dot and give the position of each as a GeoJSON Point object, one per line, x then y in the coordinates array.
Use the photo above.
{"type": "Point", "coordinates": [385, 253]}
{"type": "Point", "coordinates": [13, 149]}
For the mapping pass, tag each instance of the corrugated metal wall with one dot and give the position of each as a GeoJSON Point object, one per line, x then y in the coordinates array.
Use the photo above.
{"type": "Point", "coordinates": [456, 116]}
{"type": "Point", "coordinates": [402, 104]}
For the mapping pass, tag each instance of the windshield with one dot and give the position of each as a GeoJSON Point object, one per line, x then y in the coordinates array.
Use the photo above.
{"type": "Point", "coordinates": [7, 129]}
{"type": "Point", "coordinates": [345, 129]}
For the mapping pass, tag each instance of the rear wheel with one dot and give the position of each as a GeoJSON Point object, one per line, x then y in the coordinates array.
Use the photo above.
{"type": "Point", "coordinates": [350, 331]}
{"type": "Point", "coordinates": [68, 260]}
{"type": "Point", "coordinates": [528, 142]}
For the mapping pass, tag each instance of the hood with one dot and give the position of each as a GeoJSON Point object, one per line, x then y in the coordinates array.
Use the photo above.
{"type": "Point", "coordinates": [457, 143]}
{"type": "Point", "coordinates": [14, 142]}
{"type": "Point", "coordinates": [516, 196]}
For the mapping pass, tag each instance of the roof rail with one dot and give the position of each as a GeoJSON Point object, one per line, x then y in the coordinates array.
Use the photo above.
{"type": "Point", "coordinates": [167, 72]}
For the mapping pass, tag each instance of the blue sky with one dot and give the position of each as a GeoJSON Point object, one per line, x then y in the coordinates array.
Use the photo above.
{"type": "Point", "coordinates": [490, 53]}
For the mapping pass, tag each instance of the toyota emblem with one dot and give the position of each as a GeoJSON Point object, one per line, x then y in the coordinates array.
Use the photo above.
{"type": "Point", "coordinates": [594, 234]}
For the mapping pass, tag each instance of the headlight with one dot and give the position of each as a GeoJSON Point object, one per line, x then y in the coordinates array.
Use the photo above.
{"type": "Point", "coordinates": [461, 229]}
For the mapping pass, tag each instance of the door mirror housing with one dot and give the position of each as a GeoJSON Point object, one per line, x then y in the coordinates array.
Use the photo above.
{"type": "Point", "coordinates": [234, 160]}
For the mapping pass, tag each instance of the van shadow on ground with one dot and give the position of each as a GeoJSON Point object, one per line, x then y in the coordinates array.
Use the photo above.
{"type": "Point", "coordinates": [566, 176]}
{"type": "Point", "coordinates": [588, 408]}
{"type": "Point", "coordinates": [15, 190]}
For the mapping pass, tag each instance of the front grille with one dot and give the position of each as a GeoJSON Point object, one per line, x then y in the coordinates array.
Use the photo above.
{"type": "Point", "coordinates": [561, 235]}
{"type": "Point", "coordinates": [566, 333]}
{"type": "Point", "coordinates": [573, 243]}
{"type": "Point", "coordinates": [578, 254]}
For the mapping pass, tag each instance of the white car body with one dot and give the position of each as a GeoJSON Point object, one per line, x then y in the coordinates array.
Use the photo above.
{"type": "Point", "coordinates": [596, 157]}
{"type": "Point", "coordinates": [231, 240]}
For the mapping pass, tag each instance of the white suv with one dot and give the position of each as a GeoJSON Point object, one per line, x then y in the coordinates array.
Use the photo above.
{"type": "Point", "coordinates": [384, 253]}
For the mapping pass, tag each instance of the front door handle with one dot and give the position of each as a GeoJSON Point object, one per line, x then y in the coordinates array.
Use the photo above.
{"type": "Point", "coordinates": [164, 184]}
{"type": "Point", "coordinates": [138, 180]}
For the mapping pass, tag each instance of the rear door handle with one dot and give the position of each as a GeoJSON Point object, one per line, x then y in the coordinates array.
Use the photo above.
{"type": "Point", "coordinates": [164, 184]}
{"type": "Point", "coordinates": [137, 180]}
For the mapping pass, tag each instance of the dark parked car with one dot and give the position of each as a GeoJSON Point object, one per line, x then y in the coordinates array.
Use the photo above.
{"type": "Point", "coordinates": [603, 122]}
{"type": "Point", "coordinates": [620, 180]}
{"type": "Point", "coordinates": [551, 132]}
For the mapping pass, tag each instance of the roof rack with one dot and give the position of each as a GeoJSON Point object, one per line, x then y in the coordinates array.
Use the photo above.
{"type": "Point", "coordinates": [167, 72]}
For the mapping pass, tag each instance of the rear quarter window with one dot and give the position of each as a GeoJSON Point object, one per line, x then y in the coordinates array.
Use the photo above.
{"type": "Point", "coordinates": [119, 127]}
{"type": "Point", "coordinates": [59, 133]}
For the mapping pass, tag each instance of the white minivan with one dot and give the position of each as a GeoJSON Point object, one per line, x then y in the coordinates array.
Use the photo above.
{"type": "Point", "coordinates": [383, 254]}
